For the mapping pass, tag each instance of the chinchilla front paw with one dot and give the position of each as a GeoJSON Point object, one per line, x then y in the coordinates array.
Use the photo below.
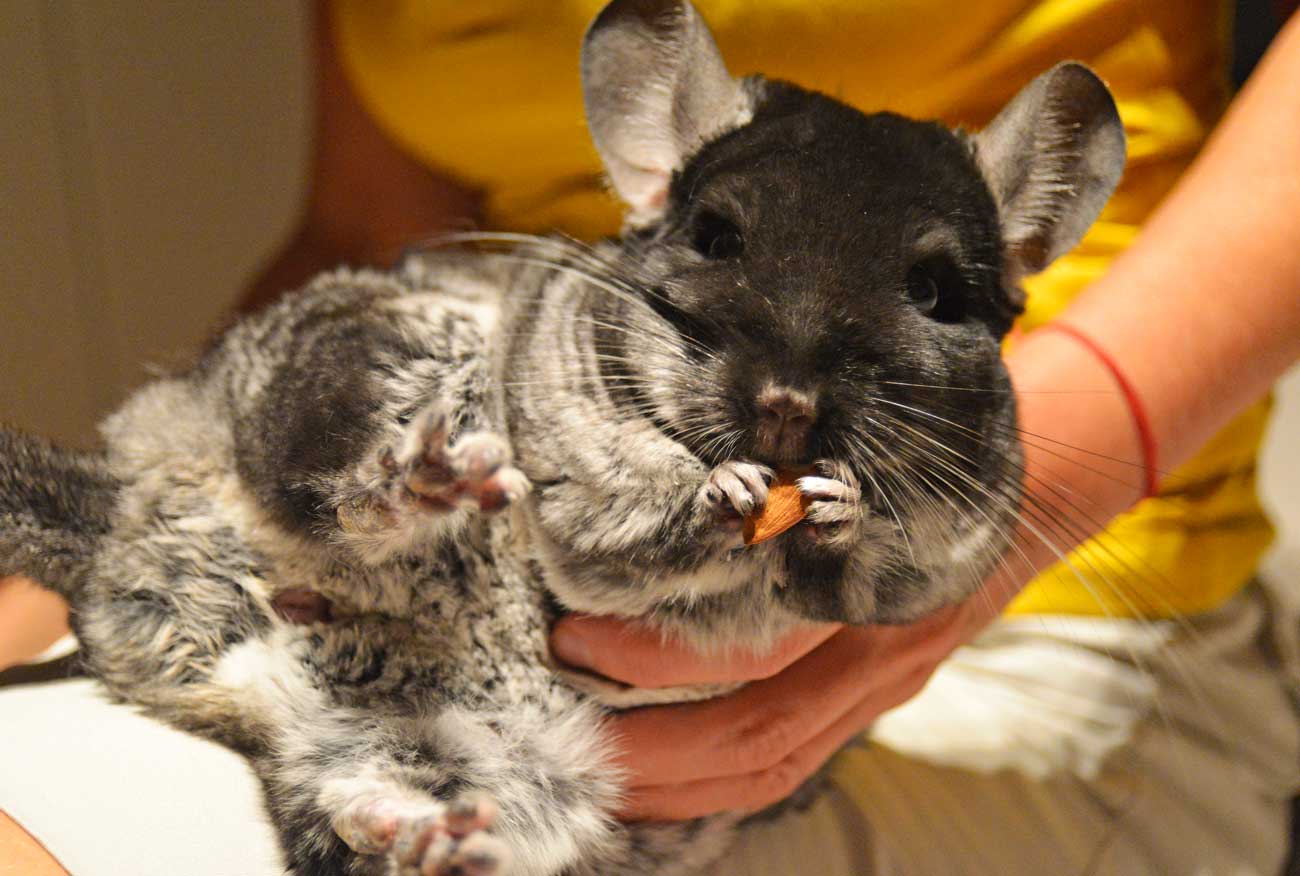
{"type": "Point", "coordinates": [426, 838]}
{"type": "Point", "coordinates": [474, 471]}
{"type": "Point", "coordinates": [428, 473]}
{"type": "Point", "coordinates": [733, 491]}
{"type": "Point", "coordinates": [834, 500]}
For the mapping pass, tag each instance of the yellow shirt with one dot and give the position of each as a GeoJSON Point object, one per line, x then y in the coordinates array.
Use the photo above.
{"type": "Point", "coordinates": [489, 92]}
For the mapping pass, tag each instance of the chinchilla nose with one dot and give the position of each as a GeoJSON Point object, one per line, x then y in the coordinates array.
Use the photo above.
{"type": "Point", "coordinates": [787, 407]}
{"type": "Point", "coordinates": [786, 418]}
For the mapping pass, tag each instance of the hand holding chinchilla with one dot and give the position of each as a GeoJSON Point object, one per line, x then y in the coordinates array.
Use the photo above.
{"type": "Point", "coordinates": [449, 453]}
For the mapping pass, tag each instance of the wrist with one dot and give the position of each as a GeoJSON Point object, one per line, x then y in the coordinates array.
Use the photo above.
{"type": "Point", "coordinates": [1137, 408]}
{"type": "Point", "coordinates": [1084, 456]}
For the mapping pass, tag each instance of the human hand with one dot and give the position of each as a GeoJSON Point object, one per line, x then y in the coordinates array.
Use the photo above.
{"type": "Point", "coordinates": [816, 690]}
{"type": "Point", "coordinates": [31, 619]}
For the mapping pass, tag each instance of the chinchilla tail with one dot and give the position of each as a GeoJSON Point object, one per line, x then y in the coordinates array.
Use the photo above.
{"type": "Point", "coordinates": [55, 505]}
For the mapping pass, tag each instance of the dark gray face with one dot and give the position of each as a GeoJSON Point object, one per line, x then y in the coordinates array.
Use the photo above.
{"type": "Point", "coordinates": [822, 287]}
{"type": "Point", "coordinates": [836, 282]}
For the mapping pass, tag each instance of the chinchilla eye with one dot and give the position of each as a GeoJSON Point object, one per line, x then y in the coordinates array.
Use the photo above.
{"type": "Point", "coordinates": [716, 237]}
{"type": "Point", "coordinates": [922, 289]}
{"type": "Point", "coordinates": [935, 287]}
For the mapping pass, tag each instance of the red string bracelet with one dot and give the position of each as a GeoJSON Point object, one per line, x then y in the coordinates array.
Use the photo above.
{"type": "Point", "coordinates": [1141, 421]}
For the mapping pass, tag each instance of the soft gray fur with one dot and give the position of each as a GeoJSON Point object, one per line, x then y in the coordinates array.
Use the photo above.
{"type": "Point", "coordinates": [451, 452]}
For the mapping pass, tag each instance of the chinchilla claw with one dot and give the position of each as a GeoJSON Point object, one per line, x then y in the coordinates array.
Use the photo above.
{"type": "Point", "coordinates": [734, 490]}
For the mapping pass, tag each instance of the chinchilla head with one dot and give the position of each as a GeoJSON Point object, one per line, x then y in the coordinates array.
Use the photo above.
{"type": "Point", "coordinates": [801, 281]}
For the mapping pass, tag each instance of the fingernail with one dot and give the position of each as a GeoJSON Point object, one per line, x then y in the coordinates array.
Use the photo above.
{"type": "Point", "coordinates": [570, 648]}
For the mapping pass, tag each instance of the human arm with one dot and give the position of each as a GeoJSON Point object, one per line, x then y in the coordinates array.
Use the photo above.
{"type": "Point", "coordinates": [1202, 315]}
{"type": "Point", "coordinates": [31, 619]}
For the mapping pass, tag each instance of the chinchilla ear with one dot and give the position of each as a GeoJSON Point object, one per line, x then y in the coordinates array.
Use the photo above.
{"type": "Point", "coordinates": [1052, 157]}
{"type": "Point", "coordinates": [656, 90]}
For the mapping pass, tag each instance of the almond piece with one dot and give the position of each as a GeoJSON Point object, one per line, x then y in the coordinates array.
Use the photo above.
{"type": "Point", "coordinates": [785, 507]}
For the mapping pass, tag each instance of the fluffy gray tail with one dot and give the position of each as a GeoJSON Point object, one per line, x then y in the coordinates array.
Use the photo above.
{"type": "Point", "coordinates": [54, 506]}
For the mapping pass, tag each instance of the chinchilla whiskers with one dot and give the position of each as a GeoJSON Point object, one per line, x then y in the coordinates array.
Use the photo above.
{"type": "Point", "coordinates": [1069, 526]}
{"type": "Point", "coordinates": [1074, 530]}
{"type": "Point", "coordinates": [618, 287]}
{"type": "Point", "coordinates": [560, 245]}
{"type": "Point", "coordinates": [930, 453]}
{"type": "Point", "coordinates": [987, 391]}
{"type": "Point", "coordinates": [563, 247]}
{"type": "Point", "coordinates": [665, 338]}
{"type": "Point", "coordinates": [683, 435]}
{"type": "Point", "coordinates": [1023, 436]}
{"type": "Point", "coordinates": [729, 450]}
{"type": "Point", "coordinates": [699, 429]}
{"type": "Point", "coordinates": [999, 501]}
{"type": "Point", "coordinates": [1154, 584]}
{"type": "Point", "coordinates": [536, 251]}
{"type": "Point", "coordinates": [1139, 604]}
{"type": "Point", "coordinates": [1021, 433]}
{"type": "Point", "coordinates": [644, 407]}
{"type": "Point", "coordinates": [722, 440]}
{"type": "Point", "coordinates": [598, 269]}
{"type": "Point", "coordinates": [924, 492]}
{"type": "Point", "coordinates": [565, 378]}
{"type": "Point", "coordinates": [973, 434]}
{"type": "Point", "coordinates": [867, 471]}
{"type": "Point", "coordinates": [670, 340]}
{"type": "Point", "coordinates": [1009, 428]}
{"type": "Point", "coordinates": [675, 340]}
{"type": "Point", "coordinates": [610, 357]}
{"type": "Point", "coordinates": [1040, 519]}
{"type": "Point", "coordinates": [925, 472]}
{"type": "Point", "coordinates": [452, 238]}
{"type": "Point", "coordinates": [935, 443]}
{"type": "Point", "coordinates": [918, 492]}
{"type": "Point", "coordinates": [1039, 526]}
{"type": "Point", "coordinates": [928, 415]}
{"type": "Point", "coordinates": [912, 496]}
{"type": "Point", "coordinates": [576, 374]}
{"type": "Point", "coordinates": [601, 283]}
{"type": "Point", "coordinates": [579, 367]}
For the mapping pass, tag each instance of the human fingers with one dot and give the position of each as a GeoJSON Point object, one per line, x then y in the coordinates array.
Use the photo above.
{"type": "Point", "coordinates": [751, 792]}
{"type": "Point", "coordinates": [757, 728]}
{"type": "Point", "coordinates": [637, 655]}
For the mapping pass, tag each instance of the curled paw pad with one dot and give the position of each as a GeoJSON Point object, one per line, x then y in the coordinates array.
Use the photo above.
{"type": "Point", "coordinates": [426, 838]}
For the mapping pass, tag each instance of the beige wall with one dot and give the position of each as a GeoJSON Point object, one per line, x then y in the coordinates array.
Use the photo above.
{"type": "Point", "coordinates": [151, 155]}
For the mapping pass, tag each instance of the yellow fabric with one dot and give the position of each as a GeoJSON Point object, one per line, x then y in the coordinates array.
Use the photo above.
{"type": "Point", "coordinates": [489, 92]}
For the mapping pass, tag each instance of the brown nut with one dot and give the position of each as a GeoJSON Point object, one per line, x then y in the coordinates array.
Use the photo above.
{"type": "Point", "coordinates": [785, 507]}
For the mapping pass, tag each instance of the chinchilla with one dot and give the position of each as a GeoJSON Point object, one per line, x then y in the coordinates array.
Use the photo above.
{"type": "Point", "coordinates": [443, 456]}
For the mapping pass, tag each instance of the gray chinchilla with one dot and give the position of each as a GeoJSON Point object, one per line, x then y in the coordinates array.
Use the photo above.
{"type": "Point", "coordinates": [450, 453]}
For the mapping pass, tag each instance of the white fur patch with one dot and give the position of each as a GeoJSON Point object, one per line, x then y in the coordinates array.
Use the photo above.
{"type": "Point", "coordinates": [268, 679]}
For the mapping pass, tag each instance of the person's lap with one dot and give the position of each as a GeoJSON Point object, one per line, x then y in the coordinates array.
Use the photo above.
{"type": "Point", "coordinates": [109, 791]}
{"type": "Point", "coordinates": [1052, 745]}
